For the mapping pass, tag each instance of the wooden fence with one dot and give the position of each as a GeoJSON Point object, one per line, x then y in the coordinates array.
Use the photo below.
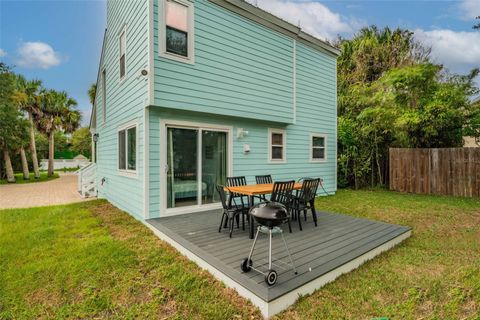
{"type": "Point", "coordinates": [446, 171]}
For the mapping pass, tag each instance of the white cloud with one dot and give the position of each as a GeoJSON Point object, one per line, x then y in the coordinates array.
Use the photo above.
{"type": "Point", "coordinates": [470, 9]}
{"type": "Point", "coordinates": [458, 51]}
{"type": "Point", "coordinates": [3, 53]}
{"type": "Point", "coordinates": [313, 17]}
{"type": "Point", "coordinates": [37, 55]}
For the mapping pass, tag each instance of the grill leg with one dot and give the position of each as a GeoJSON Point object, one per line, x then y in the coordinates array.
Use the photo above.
{"type": "Point", "coordinates": [289, 255]}
{"type": "Point", "coordinates": [270, 251]}
{"type": "Point", "coordinates": [253, 245]}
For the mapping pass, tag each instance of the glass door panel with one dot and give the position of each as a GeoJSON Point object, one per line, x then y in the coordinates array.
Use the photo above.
{"type": "Point", "coordinates": [182, 162]}
{"type": "Point", "coordinates": [214, 164]}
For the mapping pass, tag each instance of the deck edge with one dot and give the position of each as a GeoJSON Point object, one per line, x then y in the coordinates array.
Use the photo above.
{"type": "Point", "coordinates": [271, 308]}
{"type": "Point", "coordinates": [283, 302]}
{"type": "Point", "coordinates": [219, 275]}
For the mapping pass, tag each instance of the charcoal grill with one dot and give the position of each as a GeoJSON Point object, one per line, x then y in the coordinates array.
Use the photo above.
{"type": "Point", "coordinates": [270, 216]}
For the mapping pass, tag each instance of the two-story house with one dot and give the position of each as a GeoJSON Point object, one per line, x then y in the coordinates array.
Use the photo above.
{"type": "Point", "coordinates": [190, 92]}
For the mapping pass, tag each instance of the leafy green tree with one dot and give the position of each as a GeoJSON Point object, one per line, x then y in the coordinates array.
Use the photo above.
{"type": "Point", "coordinates": [390, 95]}
{"type": "Point", "coordinates": [13, 127]}
{"type": "Point", "coordinates": [82, 141]}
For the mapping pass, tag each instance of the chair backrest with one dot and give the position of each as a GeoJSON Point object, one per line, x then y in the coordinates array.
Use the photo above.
{"type": "Point", "coordinates": [309, 189]}
{"type": "Point", "coordinates": [264, 179]}
{"type": "Point", "coordinates": [282, 192]}
{"type": "Point", "coordinates": [235, 182]}
{"type": "Point", "coordinates": [223, 197]}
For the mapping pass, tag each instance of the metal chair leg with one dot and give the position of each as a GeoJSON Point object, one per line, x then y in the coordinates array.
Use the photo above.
{"type": "Point", "coordinates": [221, 223]}
{"type": "Point", "coordinates": [232, 224]}
{"type": "Point", "coordinates": [314, 212]}
{"type": "Point", "coordinates": [299, 220]}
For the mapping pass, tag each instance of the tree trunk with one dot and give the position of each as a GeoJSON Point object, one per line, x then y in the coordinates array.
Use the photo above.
{"type": "Point", "coordinates": [50, 153]}
{"type": "Point", "coordinates": [8, 166]}
{"type": "Point", "coordinates": [23, 157]}
{"type": "Point", "coordinates": [33, 148]}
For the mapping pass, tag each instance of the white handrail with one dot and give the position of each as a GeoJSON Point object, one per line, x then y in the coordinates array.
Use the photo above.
{"type": "Point", "coordinates": [86, 178]}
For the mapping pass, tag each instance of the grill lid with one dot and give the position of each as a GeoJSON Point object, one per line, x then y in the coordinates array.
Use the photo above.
{"type": "Point", "coordinates": [269, 213]}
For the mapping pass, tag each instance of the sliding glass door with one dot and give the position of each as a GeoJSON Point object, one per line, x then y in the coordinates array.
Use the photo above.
{"type": "Point", "coordinates": [196, 162]}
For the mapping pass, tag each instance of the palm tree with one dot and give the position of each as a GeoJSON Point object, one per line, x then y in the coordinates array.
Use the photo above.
{"type": "Point", "coordinates": [58, 113]}
{"type": "Point", "coordinates": [26, 96]}
{"type": "Point", "coordinates": [92, 92]}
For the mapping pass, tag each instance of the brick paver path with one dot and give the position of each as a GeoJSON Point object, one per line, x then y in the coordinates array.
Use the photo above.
{"type": "Point", "coordinates": [58, 191]}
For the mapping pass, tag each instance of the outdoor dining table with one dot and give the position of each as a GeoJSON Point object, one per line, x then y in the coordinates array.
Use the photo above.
{"type": "Point", "coordinates": [252, 190]}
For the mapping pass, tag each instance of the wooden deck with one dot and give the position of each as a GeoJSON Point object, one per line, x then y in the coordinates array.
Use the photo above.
{"type": "Point", "coordinates": [317, 251]}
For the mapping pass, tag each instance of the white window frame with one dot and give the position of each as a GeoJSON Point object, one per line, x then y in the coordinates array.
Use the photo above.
{"type": "Point", "coordinates": [123, 31]}
{"type": "Point", "coordinates": [318, 135]}
{"type": "Point", "coordinates": [128, 172]}
{"type": "Point", "coordinates": [284, 145]}
{"type": "Point", "coordinates": [162, 32]}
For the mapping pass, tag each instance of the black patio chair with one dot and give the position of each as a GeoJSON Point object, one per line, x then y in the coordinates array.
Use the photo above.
{"type": "Point", "coordinates": [230, 213]}
{"type": "Point", "coordinates": [265, 179]}
{"type": "Point", "coordinates": [235, 182]}
{"type": "Point", "coordinates": [282, 193]}
{"type": "Point", "coordinates": [305, 199]}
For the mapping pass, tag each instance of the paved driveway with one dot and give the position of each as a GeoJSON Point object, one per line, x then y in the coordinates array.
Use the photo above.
{"type": "Point", "coordinates": [58, 191]}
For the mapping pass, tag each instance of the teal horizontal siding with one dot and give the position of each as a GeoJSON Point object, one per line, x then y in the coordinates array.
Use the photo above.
{"type": "Point", "coordinates": [125, 103]}
{"type": "Point", "coordinates": [243, 78]}
{"type": "Point", "coordinates": [241, 69]}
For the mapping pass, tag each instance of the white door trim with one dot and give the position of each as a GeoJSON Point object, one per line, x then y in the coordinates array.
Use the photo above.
{"type": "Point", "coordinates": [164, 124]}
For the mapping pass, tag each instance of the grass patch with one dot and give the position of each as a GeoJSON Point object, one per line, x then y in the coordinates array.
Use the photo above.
{"type": "Point", "coordinates": [90, 260]}
{"type": "Point", "coordinates": [435, 274]}
{"type": "Point", "coordinates": [19, 178]}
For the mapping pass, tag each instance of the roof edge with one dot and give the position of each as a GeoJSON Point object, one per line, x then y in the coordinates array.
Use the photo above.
{"type": "Point", "coordinates": [93, 113]}
{"type": "Point", "coordinates": [271, 21]}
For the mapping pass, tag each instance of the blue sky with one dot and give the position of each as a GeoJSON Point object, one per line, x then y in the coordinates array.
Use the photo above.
{"type": "Point", "coordinates": [59, 42]}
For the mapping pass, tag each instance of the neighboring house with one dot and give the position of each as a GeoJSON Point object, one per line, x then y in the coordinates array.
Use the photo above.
{"type": "Point", "coordinates": [191, 92]}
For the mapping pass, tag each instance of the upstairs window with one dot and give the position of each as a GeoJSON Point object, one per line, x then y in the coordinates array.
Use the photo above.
{"type": "Point", "coordinates": [318, 148]}
{"type": "Point", "coordinates": [177, 30]}
{"type": "Point", "coordinates": [277, 145]}
{"type": "Point", "coordinates": [122, 61]}
{"type": "Point", "coordinates": [127, 148]}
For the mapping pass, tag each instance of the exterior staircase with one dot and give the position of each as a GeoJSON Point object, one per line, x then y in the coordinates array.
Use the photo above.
{"type": "Point", "coordinates": [87, 180]}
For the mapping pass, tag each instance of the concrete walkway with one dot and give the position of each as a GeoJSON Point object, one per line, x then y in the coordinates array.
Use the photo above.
{"type": "Point", "coordinates": [58, 191]}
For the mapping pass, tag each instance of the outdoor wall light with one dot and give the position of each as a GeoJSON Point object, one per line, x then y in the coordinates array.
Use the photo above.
{"type": "Point", "coordinates": [95, 137]}
{"type": "Point", "coordinates": [241, 133]}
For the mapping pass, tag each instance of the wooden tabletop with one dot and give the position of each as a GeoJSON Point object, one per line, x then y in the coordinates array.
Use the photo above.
{"type": "Point", "coordinates": [257, 189]}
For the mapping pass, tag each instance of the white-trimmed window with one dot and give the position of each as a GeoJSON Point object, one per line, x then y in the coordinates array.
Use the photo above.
{"type": "Point", "coordinates": [176, 30]}
{"type": "Point", "coordinates": [318, 147]}
{"type": "Point", "coordinates": [277, 145]}
{"type": "Point", "coordinates": [123, 54]}
{"type": "Point", "coordinates": [127, 148]}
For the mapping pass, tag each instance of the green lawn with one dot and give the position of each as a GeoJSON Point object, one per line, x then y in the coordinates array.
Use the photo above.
{"type": "Point", "coordinates": [90, 260]}
{"type": "Point", "coordinates": [19, 178]}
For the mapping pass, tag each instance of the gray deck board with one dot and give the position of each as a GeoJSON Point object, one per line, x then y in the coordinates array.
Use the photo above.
{"type": "Point", "coordinates": [316, 251]}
